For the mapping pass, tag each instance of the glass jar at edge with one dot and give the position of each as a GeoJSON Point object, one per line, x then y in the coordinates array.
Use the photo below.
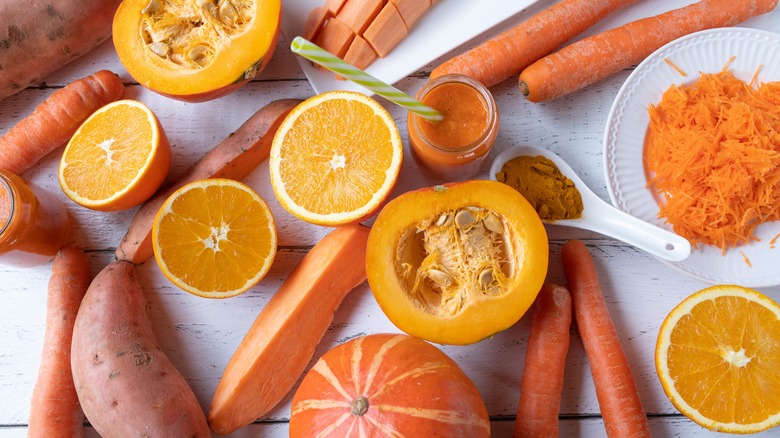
{"type": "Point", "coordinates": [34, 224]}
{"type": "Point", "coordinates": [455, 148]}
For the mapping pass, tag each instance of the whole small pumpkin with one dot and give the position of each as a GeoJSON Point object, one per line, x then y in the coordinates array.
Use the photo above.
{"type": "Point", "coordinates": [457, 263]}
{"type": "Point", "coordinates": [387, 385]}
{"type": "Point", "coordinates": [195, 51]}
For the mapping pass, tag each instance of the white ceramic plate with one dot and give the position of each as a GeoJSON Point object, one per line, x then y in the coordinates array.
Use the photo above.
{"type": "Point", "coordinates": [446, 25]}
{"type": "Point", "coordinates": [753, 265]}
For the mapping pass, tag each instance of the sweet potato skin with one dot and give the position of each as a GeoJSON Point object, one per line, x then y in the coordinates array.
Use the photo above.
{"type": "Point", "coordinates": [126, 384]}
{"type": "Point", "coordinates": [37, 38]}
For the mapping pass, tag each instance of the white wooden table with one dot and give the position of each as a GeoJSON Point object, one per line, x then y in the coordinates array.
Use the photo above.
{"type": "Point", "coordinates": [200, 335]}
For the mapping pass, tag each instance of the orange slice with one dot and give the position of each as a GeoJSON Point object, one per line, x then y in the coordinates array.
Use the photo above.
{"type": "Point", "coordinates": [116, 159]}
{"type": "Point", "coordinates": [718, 359]}
{"type": "Point", "coordinates": [214, 238]}
{"type": "Point", "coordinates": [335, 158]}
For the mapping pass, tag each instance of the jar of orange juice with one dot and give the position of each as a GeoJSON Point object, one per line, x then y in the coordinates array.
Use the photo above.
{"type": "Point", "coordinates": [34, 224]}
{"type": "Point", "coordinates": [456, 147]}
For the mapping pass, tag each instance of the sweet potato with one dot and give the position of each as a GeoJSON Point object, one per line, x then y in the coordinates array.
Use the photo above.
{"type": "Point", "coordinates": [232, 158]}
{"type": "Point", "coordinates": [37, 38]}
{"type": "Point", "coordinates": [280, 343]}
{"type": "Point", "coordinates": [126, 384]}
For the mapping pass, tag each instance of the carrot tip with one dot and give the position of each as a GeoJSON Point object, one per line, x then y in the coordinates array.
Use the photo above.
{"type": "Point", "coordinates": [524, 90]}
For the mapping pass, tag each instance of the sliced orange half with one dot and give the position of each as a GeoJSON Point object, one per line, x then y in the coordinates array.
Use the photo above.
{"type": "Point", "coordinates": [214, 238]}
{"type": "Point", "coordinates": [718, 359]}
{"type": "Point", "coordinates": [116, 159]}
{"type": "Point", "coordinates": [335, 158]}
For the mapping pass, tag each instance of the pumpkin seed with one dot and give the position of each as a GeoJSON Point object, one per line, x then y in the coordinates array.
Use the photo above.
{"type": "Point", "coordinates": [486, 277]}
{"type": "Point", "coordinates": [160, 49]}
{"type": "Point", "coordinates": [208, 6]}
{"type": "Point", "coordinates": [444, 220]}
{"type": "Point", "coordinates": [198, 55]}
{"type": "Point", "coordinates": [493, 223]}
{"type": "Point", "coordinates": [464, 219]}
{"type": "Point", "coordinates": [227, 12]}
{"type": "Point", "coordinates": [441, 278]}
{"type": "Point", "coordinates": [152, 8]}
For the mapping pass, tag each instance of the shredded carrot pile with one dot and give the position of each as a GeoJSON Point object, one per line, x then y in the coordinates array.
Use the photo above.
{"type": "Point", "coordinates": [713, 154]}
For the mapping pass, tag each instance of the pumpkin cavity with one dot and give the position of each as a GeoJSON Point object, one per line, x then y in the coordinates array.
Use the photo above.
{"type": "Point", "coordinates": [456, 258]}
{"type": "Point", "coordinates": [188, 33]}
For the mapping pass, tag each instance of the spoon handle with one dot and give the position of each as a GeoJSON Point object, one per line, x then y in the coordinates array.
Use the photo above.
{"type": "Point", "coordinates": [657, 241]}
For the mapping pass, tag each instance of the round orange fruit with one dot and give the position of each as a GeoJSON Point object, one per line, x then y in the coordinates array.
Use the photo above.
{"type": "Point", "coordinates": [117, 158]}
{"type": "Point", "coordinates": [335, 158]}
{"type": "Point", "coordinates": [214, 238]}
{"type": "Point", "coordinates": [718, 359]}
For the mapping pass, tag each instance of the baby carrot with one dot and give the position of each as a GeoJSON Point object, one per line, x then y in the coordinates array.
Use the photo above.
{"type": "Point", "coordinates": [55, 410]}
{"type": "Point", "coordinates": [616, 389]}
{"type": "Point", "coordinates": [56, 119]}
{"type": "Point", "coordinates": [594, 58]}
{"type": "Point", "coordinates": [545, 358]}
{"type": "Point", "coordinates": [508, 53]}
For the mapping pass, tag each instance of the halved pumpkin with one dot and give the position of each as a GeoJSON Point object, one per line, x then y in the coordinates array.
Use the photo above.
{"type": "Point", "coordinates": [196, 50]}
{"type": "Point", "coordinates": [457, 263]}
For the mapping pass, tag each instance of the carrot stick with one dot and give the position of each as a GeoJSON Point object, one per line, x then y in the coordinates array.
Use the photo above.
{"type": "Point", "coordinates": [592, 59]}
{"type": "Point", "coordinates": [508, 53]}
{"type": "Point", "coordinates": [55, 410]}
{"type": "Point", "coordinates": [234, 157]}
{"type": "Point", "coordinates": [616, 389]}
{"type": "Point", "coordinates": [545, 358]}
{"type": "Point", "coordinates": [56, 119]}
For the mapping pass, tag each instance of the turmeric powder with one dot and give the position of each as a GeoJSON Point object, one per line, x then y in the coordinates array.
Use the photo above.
{"type": "Point", "coordinates": [539, 180]}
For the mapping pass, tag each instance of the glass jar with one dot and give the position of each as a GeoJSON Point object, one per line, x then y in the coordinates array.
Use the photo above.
{"type": "Point", "coordinates": [456, 147]}
{"type": "Point", "coordinates": [34, 224]}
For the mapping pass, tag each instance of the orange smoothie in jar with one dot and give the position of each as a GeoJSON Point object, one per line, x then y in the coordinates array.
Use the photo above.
{"type": "Point", "coordinates": [34, 224]}
{"type": "Point", "coordinates": [456, 147]}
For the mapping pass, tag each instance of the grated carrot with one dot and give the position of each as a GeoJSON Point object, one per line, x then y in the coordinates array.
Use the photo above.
{"type": "Point", "coordinates": [746, 259]}
{"type": "Point", "coordinates": [773, 241]}
{"type": "Point", "coordinates": [712, 152]}
{"type": "Point", "coordinates": [675, 67]}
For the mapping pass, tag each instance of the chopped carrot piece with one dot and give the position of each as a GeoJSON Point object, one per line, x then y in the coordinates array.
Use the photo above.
{"type": "Point", "coordinates": [315, 21]}
{"type": "Point", "coordinates": [360, 54]}
{"type": "Point", "coordinates": [358, 14]}
{"type": "Point", "coordinates": [387, 30]}
{"type": "Point", "coordinates": [411, 10]}
{"type": "Point", "coordinates": [335, 37]}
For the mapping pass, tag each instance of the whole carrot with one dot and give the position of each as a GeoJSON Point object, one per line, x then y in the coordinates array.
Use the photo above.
{"type": "Point", "coordinates": [508, 53]}
{"type": "Point", "coordinates": [616, 389]}
{"type": "Point", "coordinates": [55, 410]}
{"type": "Point", "coordinates": [592, 59]}
{"type": "Point", "coordinates": [56, 119]}
{"type": "Point", "coordinates": [545, 358]}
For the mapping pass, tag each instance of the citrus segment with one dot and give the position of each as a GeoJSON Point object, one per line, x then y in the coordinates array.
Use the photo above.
{"type": "Point", "coordinates": [335, 158]}
{"type": "Point", "coordinates": [718, 359]}
{"type": "Point", "coordinates": [116, 159]}
{"type": "Point", "coordinates": [214, 238]}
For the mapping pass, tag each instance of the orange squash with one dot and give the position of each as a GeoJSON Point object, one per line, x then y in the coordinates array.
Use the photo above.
{"type": "Point", "coordinates": [195, 50]}
{"type": "Point", "coordinates": [457, 263]}
{"type": "Point", "coordinates": [387, 385]}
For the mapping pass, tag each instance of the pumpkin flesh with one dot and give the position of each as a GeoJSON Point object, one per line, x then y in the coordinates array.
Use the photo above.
{"type": "Point", "coordinates": [455, 264]}
{"type": "Point", "coordinates": [387, 385]}
{"type": "Point", "coordinates": [196, 50]}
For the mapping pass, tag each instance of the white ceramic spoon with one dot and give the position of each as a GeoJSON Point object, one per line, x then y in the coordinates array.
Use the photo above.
{"type": "Point", "coordinates": [599, 216]}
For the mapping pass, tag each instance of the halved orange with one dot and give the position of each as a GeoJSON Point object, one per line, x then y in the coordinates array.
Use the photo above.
{"type": "Point", "coordinates": [116, 159]}
{"type": "Point", "coordinates": [335, 158]}
{"type": "Point", "coordinates": [214, 238]}
{"type": "Point", "coordinates": [718, 359]}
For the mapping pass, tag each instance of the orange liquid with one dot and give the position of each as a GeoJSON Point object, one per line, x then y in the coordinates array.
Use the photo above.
{"type": "Point", "coordinates": [456, 147]}
{"type": "Point", "coordinates": [465, 116]}
{"type": "Point", "coordinates": [36, 223]}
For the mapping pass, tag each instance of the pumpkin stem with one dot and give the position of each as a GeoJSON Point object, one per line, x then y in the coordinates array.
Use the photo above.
{"type": "Point", "coordinates": [359, 406]}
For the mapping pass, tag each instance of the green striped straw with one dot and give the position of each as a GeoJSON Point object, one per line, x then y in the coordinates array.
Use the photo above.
{"type": "Point", "coordinates": [315, 53]}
